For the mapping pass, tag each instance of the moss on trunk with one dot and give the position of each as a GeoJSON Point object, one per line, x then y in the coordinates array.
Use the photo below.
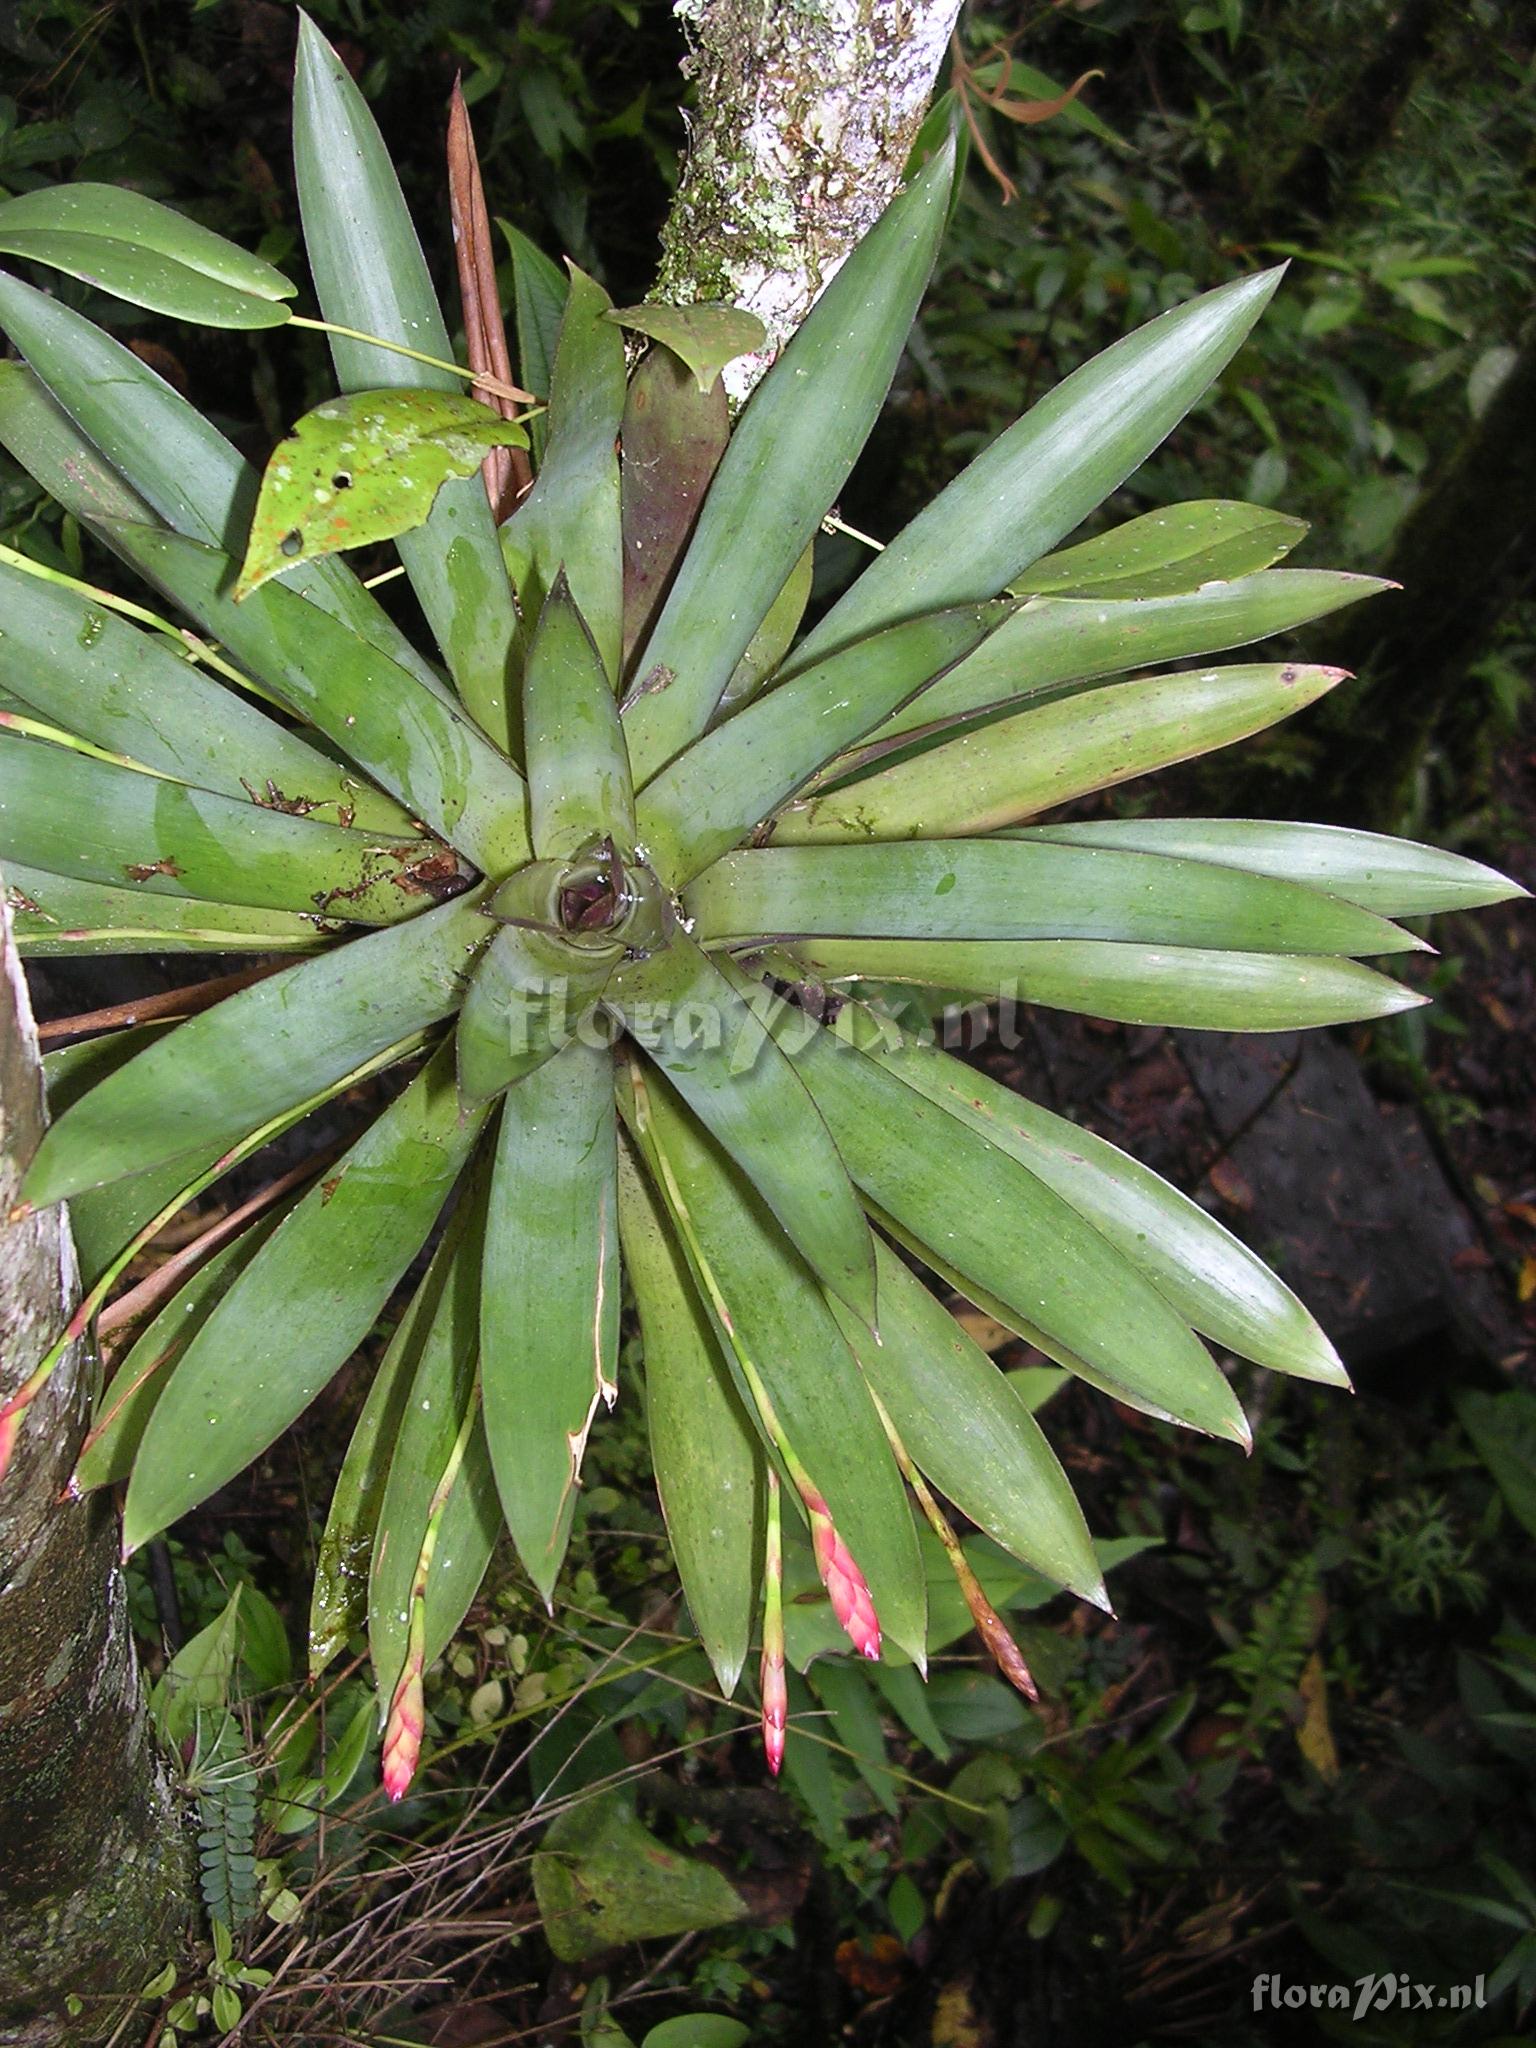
{"type": "Point", "coordinates": [806, 115]}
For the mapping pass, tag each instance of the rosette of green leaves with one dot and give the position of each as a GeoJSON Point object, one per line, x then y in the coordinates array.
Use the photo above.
{"type": "Point", "coordinates": [567, 875]}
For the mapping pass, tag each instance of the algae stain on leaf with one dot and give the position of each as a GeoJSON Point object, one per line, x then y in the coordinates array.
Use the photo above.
{"type": "Point", "coordinates": [362, 469]}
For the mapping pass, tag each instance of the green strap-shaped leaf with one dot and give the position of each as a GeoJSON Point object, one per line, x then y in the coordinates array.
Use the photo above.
{"type": "Point", "coordinates": [45, 441]}
{"type": "Point", "coordinates": [709, 798]}
{"type": "Point", "coordinates": [532, 988]}
{"type": "Point", "coordinates": [69, 1072]}
{"type": "Point", "coordinates": [853, 1712]}
{"type": "Point", "coordinates": [772, 640]}
{"type": "Point", "coordinates": [969, 1432]}
{"type": "Point", "coordinates": [369, 274]}
{"type": "Point", "coordinates": [1006, 772]}
{"type": "Point", "coordinates": [116, 407]}
{"type": "Point", "coordinates": [362, 469]}
{"type": "Point", "coordinates": [168, 838]}
{"type": "Point", "coordinates": [549, 1304]}
{"type": "Point", "coordinates": [716, 1051]}
{"type": "Point", "coordinates": [1018, 1238]}
{"type": "Point", "coordinates": [788, 458]}
{"type": "Point", "coordinates": [122, 1412]}
{"type": "Point", "coordinates": [442, 1389]}
{"type": "Point", "coordinates": [92, 672]}
{"type": "Point", "coordinates": [539, 292]}
{"type": "Point", "coordinates": [1049, 470]}
{"type": "Point", "coordinates": [517, 1013]}
{"type": "Point", "coordinates": [705, 1450]}
{"type": "Point", "coordinates": [144, 252]}
{"type": "Point", "coordinates": [227, 1071]}
{"type": "Point", "coordinates": [507, 1025]}
{"type": "Point", "coordinates": [812, 1769]}
{"type": "Point", "coordinates": [571, 519]}
{"type": "Point", "coordinates": [1393, 877]}
{"type": "Point", "coordinates": [417, 745]}
{"type": "Point", "coordinates": [303, 1305]}
{"type": "Point", "coordinates": [1176, 548]}
{"type": "Point", "coordinates": [112, 1224]}
{"type": "Point", "coordinates": [771, 1314]}
{"type": "Point", "coordinates": [672, 438]}
{"type": "Point", "coordinates": [907, 1697]}
{"type": "Point", "coordinates": [1210, 1277]}
{"type": "Point", "coordinates": [1054, 641]}
{"type": "Point", "coordinates": [339, 1598]}
{"type": "Point", "coordinates": [466, 1541]}
{"type": "Point", "coordinates": [1186, 987]}
{"type": "Point", "coordinates": [578, 766]}
{"type": "Point", "coordinates": [987, 889]}
{"type": "Point", "coordinates": [56, 915]}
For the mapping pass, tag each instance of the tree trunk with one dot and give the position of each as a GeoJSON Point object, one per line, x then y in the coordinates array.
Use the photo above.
{"type": "Point", "coordinates": [804, 122]}
{"type": "Point", "coordinates": [95, 1869]}
{"type": "Point", "coordinates": [1465, 553]}
{"type": "Point", "coordinates": [1306, 189]}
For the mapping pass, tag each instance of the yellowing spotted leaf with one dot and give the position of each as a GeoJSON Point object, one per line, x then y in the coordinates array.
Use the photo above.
{"type": "Point", "coordinates": [363, 468]}
{"type": "Point", "coordinates": [1314, 1738]}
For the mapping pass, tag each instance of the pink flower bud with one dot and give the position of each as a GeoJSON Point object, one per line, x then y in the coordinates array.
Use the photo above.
{"type": "Point", "coordinates": [775, 1707]}
{"type": "Point", "coordinates": [845, 1583]}
{"type": "Point", "coordinates": [403, 1730]}
{"type": "Point", "coordinates": [10, 1429]}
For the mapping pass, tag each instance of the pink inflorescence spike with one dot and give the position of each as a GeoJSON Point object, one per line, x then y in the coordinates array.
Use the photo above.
{"type": "Point", "coordinates": [845, 1583]}
{"type": "Point", "coordinates": [402, 1731]}
{"type": "Point", "coordinates": [775, 1707]}
{"type": "Point", "coordinates": [10, 1429]}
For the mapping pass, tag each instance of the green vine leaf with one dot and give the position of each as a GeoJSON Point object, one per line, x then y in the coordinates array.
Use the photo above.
{"type": "Point", "coordinates": [365, 468]}
{"type": "Point", "coordinates": [705, 337]}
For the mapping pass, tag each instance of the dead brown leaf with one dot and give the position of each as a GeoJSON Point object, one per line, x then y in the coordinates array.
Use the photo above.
{"type": "Point", "coordinates": [506, 471]}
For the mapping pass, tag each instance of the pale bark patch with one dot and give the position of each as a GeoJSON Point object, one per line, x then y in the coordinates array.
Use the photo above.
{"type": "Point", "coordinates": [807, 115]}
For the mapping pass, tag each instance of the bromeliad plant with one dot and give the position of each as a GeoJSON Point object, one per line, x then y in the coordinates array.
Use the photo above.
{"type": "Point", "coordinates": [591, 888]}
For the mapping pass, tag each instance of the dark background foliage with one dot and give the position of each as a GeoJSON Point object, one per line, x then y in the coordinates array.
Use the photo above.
{"type": "Point", "coordinates": [1308, 1743]}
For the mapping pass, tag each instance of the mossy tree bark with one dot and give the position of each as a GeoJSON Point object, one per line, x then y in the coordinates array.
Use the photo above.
{"type": "Point", "coordinates": [805, 118]}
{"type": "Point", "coordinates": [95, 1872]}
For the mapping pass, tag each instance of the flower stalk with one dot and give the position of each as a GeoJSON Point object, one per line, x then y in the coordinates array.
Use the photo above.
{"type": "Point", "coordinates": [990, 1626]}
{"type": "Point", "coordinates": [407, 1706]}
{"type": "Point", "coordinates": [847, 1588]}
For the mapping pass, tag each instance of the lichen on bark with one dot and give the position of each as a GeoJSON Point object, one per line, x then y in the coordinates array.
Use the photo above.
{"type": "Point", "coordinates": [95, 1873]}
{"type": "Point", "coordinates": [805, 117]}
